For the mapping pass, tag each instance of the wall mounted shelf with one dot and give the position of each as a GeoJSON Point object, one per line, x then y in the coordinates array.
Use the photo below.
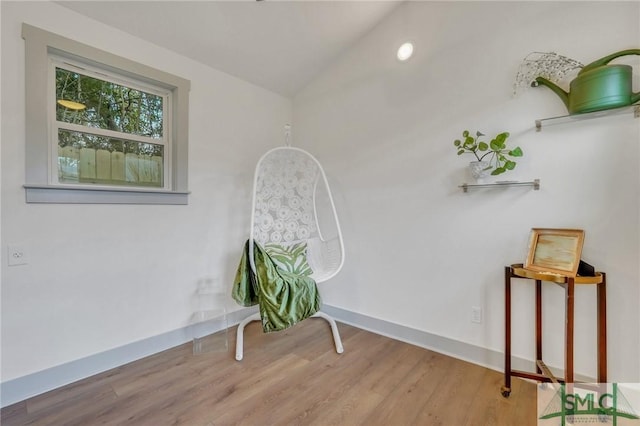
{"type": "Point", "coordinates": [632, 109]}
{"type": "Point", "coordinates": [534, 183]}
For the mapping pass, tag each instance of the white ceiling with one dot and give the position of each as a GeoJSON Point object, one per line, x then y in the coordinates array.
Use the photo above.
{"type": "Point", "coordinates": [278, 45]}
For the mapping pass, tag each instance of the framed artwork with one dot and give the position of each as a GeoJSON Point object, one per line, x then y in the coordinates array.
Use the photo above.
{"type": "Point", "coordinates": [555, 251]}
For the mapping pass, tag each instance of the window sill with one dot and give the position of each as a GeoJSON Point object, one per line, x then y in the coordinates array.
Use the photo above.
{"type": "Point", "coordinates": [85, 195]}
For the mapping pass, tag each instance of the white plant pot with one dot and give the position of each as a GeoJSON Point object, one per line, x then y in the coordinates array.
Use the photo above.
{"type": "Point", "coordinates": [479, 170]}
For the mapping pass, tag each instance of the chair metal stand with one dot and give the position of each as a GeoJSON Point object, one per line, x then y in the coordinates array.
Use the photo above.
{"type": "Point", "coordinates": [256, 317]}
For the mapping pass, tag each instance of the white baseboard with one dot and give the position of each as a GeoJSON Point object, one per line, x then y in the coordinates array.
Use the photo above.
{"type": "Point", "coordinates": [24, 387]}
{"type": "Point", "coordinates": [444, 345]}
{"type": "Point", "coordinates": [484, 357]}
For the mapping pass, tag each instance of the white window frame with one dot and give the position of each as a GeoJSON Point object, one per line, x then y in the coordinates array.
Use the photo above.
{"type": "Point", "coordinates": [56, 62]}
{"type": "Point", "coordinates": [41, 182]}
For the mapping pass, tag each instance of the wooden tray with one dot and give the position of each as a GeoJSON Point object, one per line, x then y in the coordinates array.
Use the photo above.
{"type": "Point", "coordinates": [520, 271]}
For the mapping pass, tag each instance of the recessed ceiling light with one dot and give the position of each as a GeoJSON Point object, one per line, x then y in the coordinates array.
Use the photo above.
{"type": "Point", "coordinates": [405, 51]}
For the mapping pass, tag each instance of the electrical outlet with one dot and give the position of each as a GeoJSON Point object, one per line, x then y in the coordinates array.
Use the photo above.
{"type": "Point", "coordinates": [476, 314]}
{"type": "Point", "coordinates": [17, 255]}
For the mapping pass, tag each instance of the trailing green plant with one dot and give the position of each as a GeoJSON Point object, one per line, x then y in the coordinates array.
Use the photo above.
{"type": "Point", "coordinates": [496, 153]}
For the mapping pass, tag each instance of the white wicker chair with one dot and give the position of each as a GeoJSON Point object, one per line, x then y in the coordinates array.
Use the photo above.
{"type": "Point", "coordinates": [292, 203]}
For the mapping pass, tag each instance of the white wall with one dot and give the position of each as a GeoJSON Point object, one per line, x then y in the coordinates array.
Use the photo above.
{"type": "Point", "coordinates": [420, 252]}
{"type": "Point", "coordinates": [103, 276]}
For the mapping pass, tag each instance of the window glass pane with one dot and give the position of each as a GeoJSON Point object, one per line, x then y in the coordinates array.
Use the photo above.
{"type": "Point", "coordinates": [89, 101]}
{"type": "Point", "coordinates": [87, 158]}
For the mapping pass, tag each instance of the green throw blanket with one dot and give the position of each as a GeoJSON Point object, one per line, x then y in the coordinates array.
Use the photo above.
{"type": "Point", "coordinates": [284, 298]}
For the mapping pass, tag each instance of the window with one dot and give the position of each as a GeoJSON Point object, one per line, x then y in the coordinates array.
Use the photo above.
{"type": "Point", "coordinates": [107, 132]}
{"type": "Point", "coordinates": [100, 128]}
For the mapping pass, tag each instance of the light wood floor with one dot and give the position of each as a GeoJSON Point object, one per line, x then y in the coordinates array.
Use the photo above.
{"type": "Point", "coordinates": [289, 378]}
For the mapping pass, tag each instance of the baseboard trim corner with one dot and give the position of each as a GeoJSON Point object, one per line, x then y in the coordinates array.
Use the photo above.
{"type": "Point", "coordinates": [21, 388]}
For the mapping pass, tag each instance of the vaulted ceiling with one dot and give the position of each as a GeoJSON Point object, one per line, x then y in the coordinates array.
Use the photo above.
{"type": "Point", "coordinates": [278, 45]}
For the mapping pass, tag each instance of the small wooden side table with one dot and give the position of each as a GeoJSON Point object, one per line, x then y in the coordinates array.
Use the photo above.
{"type": "Point", "coordinates": [543, 374]}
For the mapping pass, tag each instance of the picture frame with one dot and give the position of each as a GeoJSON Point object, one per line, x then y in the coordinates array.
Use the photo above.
{"type": "Point", "coordinates": [555, 251]}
